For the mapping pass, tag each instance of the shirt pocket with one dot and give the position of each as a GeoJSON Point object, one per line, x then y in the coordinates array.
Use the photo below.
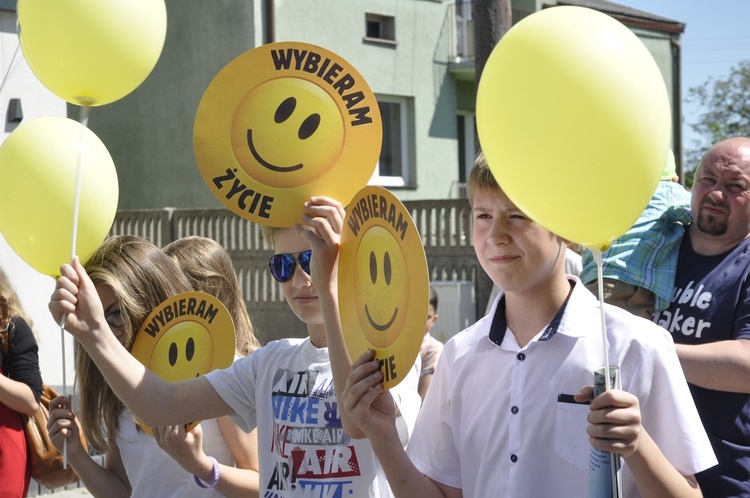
{"type": "Point", "coordinates": [571, 440]}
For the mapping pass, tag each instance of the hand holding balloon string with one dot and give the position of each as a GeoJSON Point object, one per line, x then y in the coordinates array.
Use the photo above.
{"type": "Point", "coordinates": [76, 207]}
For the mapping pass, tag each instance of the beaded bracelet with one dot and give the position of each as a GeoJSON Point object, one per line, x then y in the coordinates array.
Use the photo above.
{"type": "Point", "coordinates": [214, 475]}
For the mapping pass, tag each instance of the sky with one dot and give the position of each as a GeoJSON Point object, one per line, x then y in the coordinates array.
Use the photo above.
{"type": "Point", "coordinates": [716, 38]}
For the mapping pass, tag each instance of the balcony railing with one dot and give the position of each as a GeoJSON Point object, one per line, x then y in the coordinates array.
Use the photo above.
{"type": "Point", "coordinates": [444, 225]}
{"type": "Point", "coordinates": [457, 38]}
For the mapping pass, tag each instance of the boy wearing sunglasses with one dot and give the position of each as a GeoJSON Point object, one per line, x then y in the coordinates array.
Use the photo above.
{"type": "Point", "coordinates": [285, 388]}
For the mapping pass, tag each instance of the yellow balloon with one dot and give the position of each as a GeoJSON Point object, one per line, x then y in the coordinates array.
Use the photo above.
{"type": "Point", "coordinates": [574, 119]}
{"type": "Point", "coordinates": [38, 164]}
{"type": "Point", "coordinates": [92, 51]}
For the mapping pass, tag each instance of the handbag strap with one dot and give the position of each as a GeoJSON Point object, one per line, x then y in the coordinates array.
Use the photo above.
{"type": "Point", "coordinates": [4, 327]}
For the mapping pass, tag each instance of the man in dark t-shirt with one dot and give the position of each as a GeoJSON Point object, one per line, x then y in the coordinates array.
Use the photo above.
{"type": "Point", "coordinates": [709, 316]}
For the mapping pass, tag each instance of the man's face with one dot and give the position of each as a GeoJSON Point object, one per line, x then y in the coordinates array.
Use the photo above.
{"type": "Point", "coordinates": [518, 254]}
{"type": "Point", "coordinates": [721, 192]}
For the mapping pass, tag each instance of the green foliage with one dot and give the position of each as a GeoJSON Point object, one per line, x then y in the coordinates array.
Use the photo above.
{"type": "Point", "coordinates": [689, 177]}
{"type": "Point", "coordinates": [726, 111]}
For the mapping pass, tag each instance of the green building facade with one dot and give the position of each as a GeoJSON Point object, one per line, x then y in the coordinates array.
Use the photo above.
{"type": "Point", "coordinates": [416, 55]}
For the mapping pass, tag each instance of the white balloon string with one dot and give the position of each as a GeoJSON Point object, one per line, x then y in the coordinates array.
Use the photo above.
{"type": "Point", "coordinates": [84, 118]}
{"type": "Point", "coordinates": [79, 176]}
{"type": "Point", "coordinates": [605, 347]}
{"type": "Point", "coordinates": [62, 340]}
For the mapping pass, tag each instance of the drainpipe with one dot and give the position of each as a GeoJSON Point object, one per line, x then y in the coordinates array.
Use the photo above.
{"type": "Point", "coordinates": [270, 22]}
{"type": "Point", "coordinates": [677, 102]}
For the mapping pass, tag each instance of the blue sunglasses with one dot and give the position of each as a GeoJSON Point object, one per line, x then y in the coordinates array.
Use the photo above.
{"type": "Point", "coordinates": [282, 265]}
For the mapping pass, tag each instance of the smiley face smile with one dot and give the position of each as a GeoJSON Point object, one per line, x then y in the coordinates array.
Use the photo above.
{"type": "Point", "coordinates": [377, 326]}
{"type": "Point", "coordinates": [263, 162]}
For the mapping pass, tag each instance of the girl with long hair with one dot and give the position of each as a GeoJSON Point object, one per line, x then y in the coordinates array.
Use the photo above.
{"type": "Point", "coordinates": [132, 277]}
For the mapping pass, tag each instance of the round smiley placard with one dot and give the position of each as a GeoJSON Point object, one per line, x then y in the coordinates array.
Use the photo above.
{"type": "Point", "coordinates": [383, 282]}
{"type": "Point", "coordinates": [186, 336]}
{"type": "Point", "coordinates": [281, 123]}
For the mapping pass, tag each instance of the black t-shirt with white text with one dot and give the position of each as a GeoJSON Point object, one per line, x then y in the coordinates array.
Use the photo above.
{"type": "Point", "coordinates": [711, 302]}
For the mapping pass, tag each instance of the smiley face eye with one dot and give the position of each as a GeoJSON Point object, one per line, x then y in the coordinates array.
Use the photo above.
{"type": "Point", "coordinates": [308, 126]}
{"type": "Point", "coordinates": [387, 268]}
{"type": "Point", "coordinates": [190, 349]}
{"type": "Point", "coordinates": [172, 354]}
{"type": "Point", "coordinates": [285, 110]}
{"type": "Point", "coordinates": [373, 268]}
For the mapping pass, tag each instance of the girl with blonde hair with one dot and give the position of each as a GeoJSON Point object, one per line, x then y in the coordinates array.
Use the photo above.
{"type": "Point", "coordinates": [209, 268]}
{"type": "Point", "coordinates": [132, 277]}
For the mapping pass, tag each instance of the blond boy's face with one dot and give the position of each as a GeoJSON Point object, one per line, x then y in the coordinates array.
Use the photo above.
{"type": "Point", "coordinates": [518, 254]}
{"type": "Point", "coordinates": [298, 290]}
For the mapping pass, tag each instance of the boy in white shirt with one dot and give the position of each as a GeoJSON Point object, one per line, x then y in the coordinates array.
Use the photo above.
{"type": "Point", "coordinates": [505, 414]}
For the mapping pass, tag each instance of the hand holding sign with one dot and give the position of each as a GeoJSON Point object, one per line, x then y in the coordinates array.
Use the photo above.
{"type": "Point", "coordinates": [188, 335]}
{"type": "Point", "coordinates": [383, 282]}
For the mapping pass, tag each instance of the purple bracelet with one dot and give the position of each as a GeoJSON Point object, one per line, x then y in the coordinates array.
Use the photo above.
{"type": "Point", "coordinates": [214, 475]}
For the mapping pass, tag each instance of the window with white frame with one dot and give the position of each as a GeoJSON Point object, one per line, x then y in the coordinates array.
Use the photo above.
{"type": "Point", "coordinates": [393, 165]}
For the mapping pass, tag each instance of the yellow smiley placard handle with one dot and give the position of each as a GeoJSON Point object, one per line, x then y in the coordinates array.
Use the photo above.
{"type": "Point", "coordinates": [383, 282]}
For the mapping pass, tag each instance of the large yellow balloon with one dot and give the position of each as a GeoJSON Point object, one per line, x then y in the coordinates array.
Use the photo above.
{"type": "Point", "coordinates": [92, 51]}
{"type": "Point", "coordinates": [38, 164]}
{"type": "Point", "coordinates": [574, 119]}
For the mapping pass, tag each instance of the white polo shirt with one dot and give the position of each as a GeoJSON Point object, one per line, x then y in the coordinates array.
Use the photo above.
{"type": "Point", "coordinates": [499, 420]}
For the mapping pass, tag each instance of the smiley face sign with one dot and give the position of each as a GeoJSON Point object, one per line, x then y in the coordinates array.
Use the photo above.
{"type": "Point", "coordinates": [281, 123]}
{"type": "Point", "coordinates": [186, 336]}
{"type": "Point", "coordinates": [383, 282]}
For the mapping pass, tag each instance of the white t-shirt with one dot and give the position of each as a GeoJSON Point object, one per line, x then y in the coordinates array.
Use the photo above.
{"type": "Point", "coordinates": [286, 390]}
{"type": "Point", "coordinates": [152, 472]}
{"type": "Point", "coordinates": [499, 420]}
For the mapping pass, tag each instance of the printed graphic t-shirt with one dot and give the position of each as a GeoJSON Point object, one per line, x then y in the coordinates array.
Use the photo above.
{"type": "Point", "coordinates": [711, 303]}
{"type": "Point", "coordinates": [286, 390]}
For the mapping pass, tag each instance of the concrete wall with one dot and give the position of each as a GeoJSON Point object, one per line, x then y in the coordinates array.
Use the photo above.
{"type": "Point", "coordinates": [150, 132]}
{"type": "Point", "coordinates": [405, 69]}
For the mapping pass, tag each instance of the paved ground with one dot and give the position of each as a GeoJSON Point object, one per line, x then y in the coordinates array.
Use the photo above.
{"type": "Point", "coordinates": [69, 493]}
{"type": "Point", "coordinates": [76, 490]}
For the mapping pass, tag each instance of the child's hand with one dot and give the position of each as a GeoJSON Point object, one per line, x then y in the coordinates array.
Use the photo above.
{"type": "Point", "coordinates": [75, 296]}
{"type": "Point", "coordinates": [363, 399]}
{"type": "Point", "coordinates": [61, 426]}
{"type": "Point", "coordinates": [186, 448]}
{"type": "Point", "coordinates": [322, 228]}
{"type": "Point", "coordinates": [615, 420]}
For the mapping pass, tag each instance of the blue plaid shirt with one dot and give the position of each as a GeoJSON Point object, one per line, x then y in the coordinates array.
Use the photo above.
{"type": "Point", "coordinates": [646, 255]}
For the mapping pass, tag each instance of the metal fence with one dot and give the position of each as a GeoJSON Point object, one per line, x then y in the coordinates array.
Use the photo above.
{"type": "Point", "coordinates": [445, 227]}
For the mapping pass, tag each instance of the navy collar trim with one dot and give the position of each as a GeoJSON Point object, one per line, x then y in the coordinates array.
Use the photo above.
{"type": "Point", "coordinates": [499, 325]}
